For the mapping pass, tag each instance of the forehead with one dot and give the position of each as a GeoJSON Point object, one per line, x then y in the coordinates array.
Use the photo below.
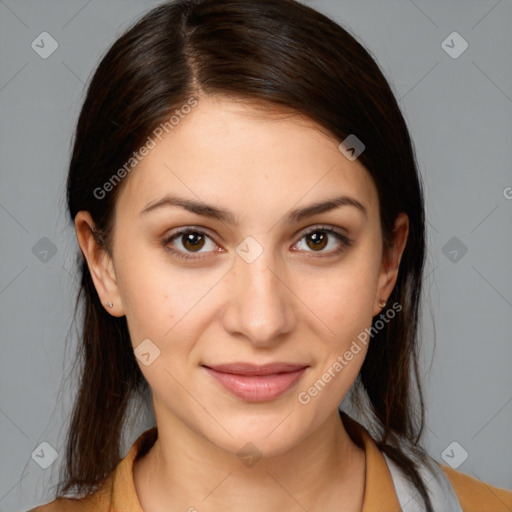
{"type": "Point", "coordinates": [234, 154]}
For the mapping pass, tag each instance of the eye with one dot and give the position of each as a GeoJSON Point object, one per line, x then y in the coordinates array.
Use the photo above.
{"type": "Point", "coordinates": [186, 242]}
{"type": "Point", "coordinates": [190, 243]}
{"type": "Point", "coordinates": [320, 238]}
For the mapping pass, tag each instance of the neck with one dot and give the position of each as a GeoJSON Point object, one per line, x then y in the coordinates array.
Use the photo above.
{"type": "Point", "coordinates": [184, 471]}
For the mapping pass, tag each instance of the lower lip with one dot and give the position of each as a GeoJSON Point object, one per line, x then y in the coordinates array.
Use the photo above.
{"type": "Point", "coordinates": [257, 388]}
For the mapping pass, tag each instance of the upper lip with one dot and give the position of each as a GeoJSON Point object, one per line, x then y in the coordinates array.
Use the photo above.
{"type": "Point", "coordinates": [253, 369]}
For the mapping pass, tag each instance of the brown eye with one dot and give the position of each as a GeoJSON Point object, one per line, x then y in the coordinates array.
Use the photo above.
{"type": "Point", "coordinates": [190, 243]}
{"type": "Point", "coordinates": [320, 238]}
{"type": "Point", "coordinates": [193, 241]}
{"type": "Point", "coordinates": [317, 240]}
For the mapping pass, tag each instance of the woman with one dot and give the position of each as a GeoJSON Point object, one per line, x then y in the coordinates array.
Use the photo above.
{"type": "Point", "coordinates": [251, 224]}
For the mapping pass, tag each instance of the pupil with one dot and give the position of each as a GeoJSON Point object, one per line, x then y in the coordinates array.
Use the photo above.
{"type": "Point", "coordinates": [318, 239]}
{"type": "Point", "coordinates": [193, 240]}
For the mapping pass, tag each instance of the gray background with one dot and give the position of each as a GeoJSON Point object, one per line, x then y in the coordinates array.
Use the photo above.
{"type": "Point", "coordinates": [459, 111]}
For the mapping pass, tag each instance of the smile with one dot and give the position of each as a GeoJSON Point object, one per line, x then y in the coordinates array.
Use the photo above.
{"type": "Point", "coordinates": [257, 383]}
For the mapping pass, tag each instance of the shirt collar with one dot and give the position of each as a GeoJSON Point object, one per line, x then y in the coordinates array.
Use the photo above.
{"type": "Point", "coordinates": [379, 493]}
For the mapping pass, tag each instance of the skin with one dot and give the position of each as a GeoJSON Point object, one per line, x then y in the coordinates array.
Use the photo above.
{"type": "Point", "coordinates": [294, 303]}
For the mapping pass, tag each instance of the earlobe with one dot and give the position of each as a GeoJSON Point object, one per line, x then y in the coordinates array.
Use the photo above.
{"type": "Point", "coordinates": [100, 264]}
{"type": "Point", "coordinates": [391, 262]}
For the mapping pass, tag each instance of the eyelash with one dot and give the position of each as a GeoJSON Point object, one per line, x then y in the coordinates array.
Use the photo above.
{"type": "Point", "coordinates": [345, 242]}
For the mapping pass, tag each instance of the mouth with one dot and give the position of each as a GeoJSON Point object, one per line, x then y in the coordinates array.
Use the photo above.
{"type": "Point", "coordinates": [254, 383]}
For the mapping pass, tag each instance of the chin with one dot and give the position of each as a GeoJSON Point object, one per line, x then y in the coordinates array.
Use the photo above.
{"type": "Point", "coordinates": [270, 434]}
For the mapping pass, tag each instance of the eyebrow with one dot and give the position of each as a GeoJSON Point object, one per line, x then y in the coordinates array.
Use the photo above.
{"type": "Point", "coordinates": [214, 212]}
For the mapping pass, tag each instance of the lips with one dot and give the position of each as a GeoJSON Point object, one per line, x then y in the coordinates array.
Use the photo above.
{"type": "Point", "coordinates": [255, 383]}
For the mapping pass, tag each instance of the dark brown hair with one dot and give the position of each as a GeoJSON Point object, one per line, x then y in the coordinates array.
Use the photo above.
{"type": "Point", "coordinates": [287, 57]}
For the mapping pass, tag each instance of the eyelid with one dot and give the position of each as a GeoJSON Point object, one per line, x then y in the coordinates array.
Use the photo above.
{"type": "Point", "coordinates": [168, 238]}
{"type": "Point", "coordinates": [188, 229]}
{"type": "Point", "coordinates": [345, 240]}
{"type": "Point", "coordinates": [324, 227]}
{"type": "Point", "coordinates": [333, 230]}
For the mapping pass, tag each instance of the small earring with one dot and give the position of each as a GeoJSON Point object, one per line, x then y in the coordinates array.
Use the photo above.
{"type": "Point", "coordinates": [382, 303]}
{"type": "Point", "coordinates": [110, 305]}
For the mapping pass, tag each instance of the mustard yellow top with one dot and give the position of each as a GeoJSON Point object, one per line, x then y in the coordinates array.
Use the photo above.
{"type": "Point", "coordinates": [117, 493]}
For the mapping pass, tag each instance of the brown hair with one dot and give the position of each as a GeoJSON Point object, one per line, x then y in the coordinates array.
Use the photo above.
{"type": "Point", "coordinates": [286, 56]}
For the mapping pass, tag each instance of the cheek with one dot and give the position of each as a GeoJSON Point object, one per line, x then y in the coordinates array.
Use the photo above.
{"type": "Point", "coordinates": [160, 297]}
{"type": "Point", "coordinates": [343, 305]}
{"type": "Point", "coordinates": [343, 297]}
{"type": "Point", "coordinates": [149, 293]}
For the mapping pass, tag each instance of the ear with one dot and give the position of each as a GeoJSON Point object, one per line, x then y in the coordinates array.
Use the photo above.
{"type": "Point", "coordinates": [391, 261]}
{"type": "Point", "coordinates": [100, 264]}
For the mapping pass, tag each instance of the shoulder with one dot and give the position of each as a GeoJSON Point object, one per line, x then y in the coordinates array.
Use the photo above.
{"type": "Point", "coordinates": [475, 495]}
{"type": "Point", "coordinates": [71, 505]}
{"type": "Point", "coordinates": [98, 501]}
{"type": "Point", "coordinates": [112, 492]}
{"type": "Point", "coordinates": [62, 505]}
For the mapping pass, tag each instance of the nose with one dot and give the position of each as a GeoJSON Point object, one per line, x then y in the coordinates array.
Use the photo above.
{"type": "Point", "coordinates": [261, 306]}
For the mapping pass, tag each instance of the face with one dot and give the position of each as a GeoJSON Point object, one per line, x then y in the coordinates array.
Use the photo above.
{"type": "Point", "coordinates": [246, 271]}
